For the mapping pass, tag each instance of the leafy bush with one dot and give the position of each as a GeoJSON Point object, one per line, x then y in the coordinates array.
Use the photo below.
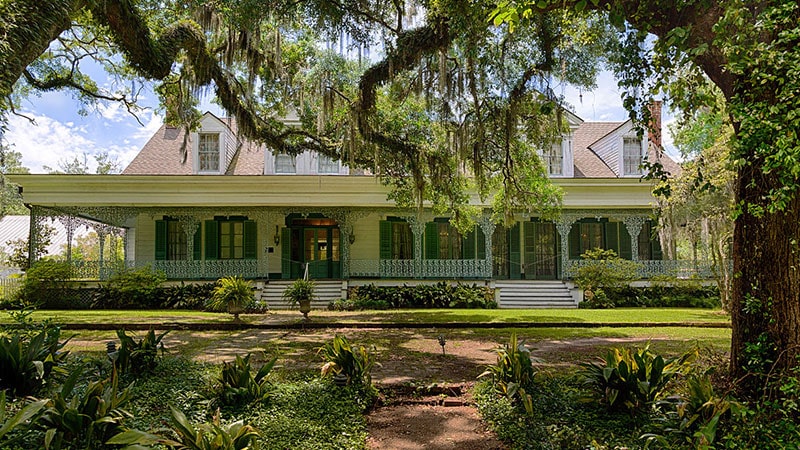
{"type": "Point", "coordinates": [233, 295]}
{"type": "Point", "coordinates": [140, 356]}
{"type": "Point", "coordinates": [206, 436]}
{"type": "Point", "coordinates": [439, 295]}
{"type": "Point", "coordinates": [185, 296]}
{"type": "Point", "coordinates": [239, 386]}
{"type": "Point", "coordinates": [83, 418]}
{"type": "Point", "coordinates": [130, 289]}
{"type": "Point", "coordinates": [46, 283]}
{"type": "Point", "coordinates": [342, 358]}
{"type": "Point", "coordinates": [513, 373]}
{"type": "Point", "coordinates": [632, 379]}
{"type": "Point", "coordinates": [20, 418]}
{"type": "Point", "coordinates": [602, 269]}
{"type": "Point", "coordinates": [27, 362]}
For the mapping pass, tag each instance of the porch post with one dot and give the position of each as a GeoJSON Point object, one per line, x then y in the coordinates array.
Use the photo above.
{"type": "Point", "coordinates": [418, 230]}
{"type": "Point", "coordinates": [101, 236]}
{"type": "Point", "coordinates": [34, 230]}
{"type": "Point", "coordinates": [189, 225]}
{"type": "Point", "coordinates": [487, 226]}
{"type": "Point", "coordinates": [634, 226]}
{"type": "Point", "coordinates": [564, 225]}
{"type": "Point", "coordinates": [70, 224]}
{"type": "Point", "coordinates": [345, 231]}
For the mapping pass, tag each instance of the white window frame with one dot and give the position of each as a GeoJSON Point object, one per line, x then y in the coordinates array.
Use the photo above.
{"type": "Point", "coordinates": [631, 155]}
{"type": "Point", "coordinates": [283, 161]}
{"type": "Point", "coordinates": [208, 158]}
{"type": "Point", "coordinates": [326, 164]}
{"type": "Point", "coordinates": [553, 158]}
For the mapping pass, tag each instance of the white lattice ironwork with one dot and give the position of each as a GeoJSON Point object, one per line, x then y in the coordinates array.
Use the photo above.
{"type": "Point", "coordinates": [175, 270]}
{"type": "Point", "coordinates": [649, 269]}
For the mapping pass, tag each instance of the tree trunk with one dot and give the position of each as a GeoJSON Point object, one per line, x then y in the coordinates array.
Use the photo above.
{"type": "Point", "coordinates": [765, 310]}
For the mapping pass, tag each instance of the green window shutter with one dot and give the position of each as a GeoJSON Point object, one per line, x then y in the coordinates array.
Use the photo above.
{"type": "Point", "coordinates": [574, 241]}
{"type": "Point", "coordinates": [515, 272]}
{"type": "Point", "coordinates": [625, 249]}
{"type": "Point", "coordinates": [286, 253]}
{"type": "Point", "coordinates": [385, 238]}
{"type": "Point", "coordinates": [196, 255]}
{"type": "Point", "coordinates": [212, 239]}
{"type": "Point", "coordinates": [481, 238]}
{"type": "Point", "coordinates": [655, 242]}
{"type": "Point", "coordinates": [611, 232]}
{"type": "Point", "coordinates": [250, 239]}
{"type": "Point", "coordinates": [468, 246]}
{"type": "Point", "coordinates": [431, 240]}
{"type": "Point", "coordinates": [161, 240]}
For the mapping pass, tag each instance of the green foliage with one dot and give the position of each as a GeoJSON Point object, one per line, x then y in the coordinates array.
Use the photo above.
{"type": "Point", "coordinates": [233, 295]}
{"type": "Point", "coordinates": [677, 294]}
{"type": "Point", "coordinates": [238, 384]}
{"type": "Point", "coordinates": [138, 357]}
{"type": "Point", "coordinates": [206, 436]}
{"type": "Point", "coordinates": [600, 270]}
{"type": "Point", "coordinates": [632, 379]}
{"type": "Point", "coordinates": [439, 295]}
{"type": "Point", "coordinates": [44, 281]}
{"type": "Point", "coordinates": [513, 373]}
{"type": "Point", "coordinates": [130, 289]}
{"type": "Point", "coordinates": [20, 418]}
{"type": "Point", "coordinates": [692, 419]}
{"type": "Point", "coordinates": [181, 296]}
{"type": "Point", "coordinates": [83, 417]}
{"type": "Point", "coordinates": [299, 290]}
{"type": "Point", "coordinates": [27, 361]}
{"type": "Point", "coordinates": [19, 248]}
{"type": "Point", "coordinates": [341, 357]}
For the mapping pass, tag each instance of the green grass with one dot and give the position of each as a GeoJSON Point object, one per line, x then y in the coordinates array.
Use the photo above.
{"type": "Point", "coordinates": [588, 316]}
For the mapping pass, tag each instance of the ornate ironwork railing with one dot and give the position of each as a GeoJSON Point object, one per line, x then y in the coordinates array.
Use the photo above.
{"type": "Point", "coordinates": [175, 270]}
{"type": "Point", "coordinates": [428, 268]}
{"type": "Point", "coordinates": [9, 287]}
{"type": "Point", "coordinates": [647, 269]}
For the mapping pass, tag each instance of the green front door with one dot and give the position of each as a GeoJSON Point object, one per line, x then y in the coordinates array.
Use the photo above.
{"type": "Point", "coordinates": [541, 251]}
{"type": "Point", "coordinates": [315, 242]}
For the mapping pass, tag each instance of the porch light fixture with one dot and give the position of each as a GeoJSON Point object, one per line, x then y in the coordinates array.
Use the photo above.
{"type": "Point", "coordinates": [351, 238]}
{"type": "Point", "coordinates": [277, 237]}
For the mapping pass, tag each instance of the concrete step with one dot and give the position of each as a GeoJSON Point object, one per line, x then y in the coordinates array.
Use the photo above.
{"type": "Point", "coordinates": [521, 294]}
{"type": "Point", "coordinates": [325, 292]}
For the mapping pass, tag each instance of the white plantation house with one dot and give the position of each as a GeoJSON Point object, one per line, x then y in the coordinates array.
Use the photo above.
{"type": "Point", "coordinates": [234, 207]}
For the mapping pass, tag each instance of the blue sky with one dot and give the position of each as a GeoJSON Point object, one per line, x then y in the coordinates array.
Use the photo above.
{"type": "Point", "coordinates": [59, 132]}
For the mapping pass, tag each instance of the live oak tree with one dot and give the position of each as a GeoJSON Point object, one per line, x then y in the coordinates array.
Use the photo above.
{"type": "Point", "coordinates": [456, 96]}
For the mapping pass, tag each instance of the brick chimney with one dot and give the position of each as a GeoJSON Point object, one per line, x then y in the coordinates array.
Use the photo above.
{"type": "Point", "coordinates": [654, 129]}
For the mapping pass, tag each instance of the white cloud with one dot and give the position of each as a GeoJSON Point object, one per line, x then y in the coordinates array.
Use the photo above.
{"type": "Point", "coordinates": [47, 141]}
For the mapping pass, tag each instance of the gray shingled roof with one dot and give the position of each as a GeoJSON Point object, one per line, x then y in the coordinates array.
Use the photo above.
{"type": "Point", "coordinates": [587, 163]}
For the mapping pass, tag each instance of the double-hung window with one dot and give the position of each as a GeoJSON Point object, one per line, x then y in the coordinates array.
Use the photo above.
{"type": "Point", "coordinates": [208, 152]}
{"type": "Point", "coordinates": [553, 158]}
{"type": "Point", "coordinates": [327, 164]}
{"type": "Point", "coordinates": [285, 163]}
{"type": "Point", "coordinates": [632, 156]}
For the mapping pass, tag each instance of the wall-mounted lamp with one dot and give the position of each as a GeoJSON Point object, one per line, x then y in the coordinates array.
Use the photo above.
{"type": "Point", "coordinates": [351, 238]}
{"type": "Point", "coordinates": [277, 237]}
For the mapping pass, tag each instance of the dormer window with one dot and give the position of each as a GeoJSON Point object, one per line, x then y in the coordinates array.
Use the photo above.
{"type": "Point", "coordinates": [553, 159]}
{"type": "Point", "coordinates": [208, 152]}
{"type": "Point", "coordinates": [285, 163]}
{"type": "Point", "coordinates": [327, 164]}
{"type": "Point", "coordinates": [631, 156]}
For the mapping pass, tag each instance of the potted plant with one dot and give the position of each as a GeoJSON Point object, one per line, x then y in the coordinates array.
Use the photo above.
{"type": "Point", "coordinates": [300, 292]}
{"type": "Point", "coordinates": [232, 294]}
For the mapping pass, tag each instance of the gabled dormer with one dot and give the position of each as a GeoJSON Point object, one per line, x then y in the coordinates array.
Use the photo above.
{"type": "Point", "coordinates": [558, 156]}
{"type": "Point", "coordinates": [622, 150]}
{"type": "Point", "coordinates": [213, 146]}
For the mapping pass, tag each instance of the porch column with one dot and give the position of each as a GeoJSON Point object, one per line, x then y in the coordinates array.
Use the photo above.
{"type": "Point", "coordinates": [564, 225]}
{"type": "Point", "coordinates": [345, 233]}
{"type": "Point", "coordinates": [101, 237]}
{"type": "Point", "coordinates": [418, 230]}
{"type": "Point", "coordinates": [189, 225]}
{"type": "Point", "coordinates": [487, 226]}
{"type": "Point", "coordinates": [34, 234]}
{"type": "Point", "coordinates": [70, 224]}
{"type": "Point", "coordinates": [634, 226]}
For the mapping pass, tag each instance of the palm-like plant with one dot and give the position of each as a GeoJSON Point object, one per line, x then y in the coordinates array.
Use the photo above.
{"type": "Point", "coordinates": [232, 294]}
{"type": "Point", "coordinates": [301, 292]}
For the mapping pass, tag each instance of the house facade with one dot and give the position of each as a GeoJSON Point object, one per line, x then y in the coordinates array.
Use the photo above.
{"type": "Point", "coordinates": [230, 207]}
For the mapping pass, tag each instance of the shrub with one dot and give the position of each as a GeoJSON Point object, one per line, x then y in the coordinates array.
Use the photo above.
{"type": "Point", "coordinates": [185, 296]}
{"type": "Point", "coordinates": [140, 356]}
{"type": "Point", "coordinates": [632, 379]}
{"type": "Point", "coordinates": [342, 358]}
{"type": "Point", "coordinates": [130, 289]}
{"type": "Point", "coordinates": [439, 295]}
{"type": "Point", "coordinates": [83, 418]}
{"type": "Point", "coordinates": [47, 283]}
{"type": "Point", "coordinates": [27, 362]}
{"type": "Point", "coordinates": [602, 269]}
{"type": "Point", "coordinates": [513, 373]}
{"type": "Point", "coordinates": [233, 295]}
{"type": "Point", "coordinates": [239, 386]}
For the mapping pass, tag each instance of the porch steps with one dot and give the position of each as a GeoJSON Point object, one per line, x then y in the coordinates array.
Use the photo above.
{"type": "Point", "coordinates": [534, 294]}
{"type": "Point", "coordinates": [326, 292]}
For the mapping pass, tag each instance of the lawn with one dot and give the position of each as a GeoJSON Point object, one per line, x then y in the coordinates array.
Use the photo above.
{"type": "Point", "coordinates": [410, 316]}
